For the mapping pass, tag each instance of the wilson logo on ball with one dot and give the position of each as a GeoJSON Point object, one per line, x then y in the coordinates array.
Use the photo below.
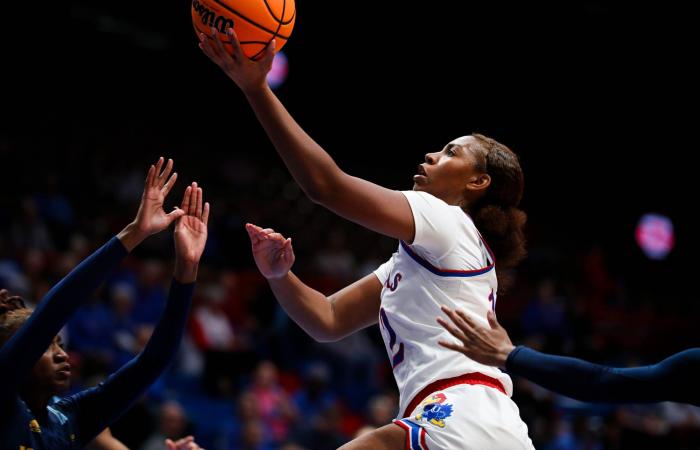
{"type": "Point", "coordinates": [208, 18]}
{"type": "Point", "coordinates": [256, 22]}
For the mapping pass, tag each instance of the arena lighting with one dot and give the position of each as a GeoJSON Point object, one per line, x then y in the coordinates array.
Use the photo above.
{"type": "Point", "coordinates": [655, 236]}
{"type": "Point", "coordinates": [279, 71]}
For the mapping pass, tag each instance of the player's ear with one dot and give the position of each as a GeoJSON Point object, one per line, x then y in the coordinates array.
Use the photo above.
{"type": "Point", "coordinates": [479, 182]}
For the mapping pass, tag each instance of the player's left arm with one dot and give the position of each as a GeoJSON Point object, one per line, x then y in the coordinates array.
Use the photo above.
{"type": "Point", "coordinates": [375, 207]}
{"type": "Point", "coordinates": [100, 406]}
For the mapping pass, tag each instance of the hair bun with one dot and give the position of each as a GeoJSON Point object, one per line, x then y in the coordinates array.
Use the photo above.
{"type": "Point", "coordinates": [10, 302]}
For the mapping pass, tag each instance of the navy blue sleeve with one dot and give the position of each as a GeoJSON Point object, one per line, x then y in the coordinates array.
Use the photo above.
{"type": "Point", "coordinates": [29, 342]}
{"type": "Point", "coordinates": [100, 406]}
{"type": "Point", "coordinates": [673, 379]}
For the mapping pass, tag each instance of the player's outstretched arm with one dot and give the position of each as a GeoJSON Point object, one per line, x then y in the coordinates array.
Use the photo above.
{"type": "Point", "coordinates": [59, 304]}
{"type": "Point", "coordinates": [324, 318]}
{"type": "Point", "coordinates": [101, 405]}
{"type": "Point", "coordinates": [375, 207]}
{"type": "Point", "coordinates": [672, 379]}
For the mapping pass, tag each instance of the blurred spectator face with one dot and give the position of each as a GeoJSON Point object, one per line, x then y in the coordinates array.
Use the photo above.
{"type": "Point", "coordinates": [248, 407]}
{"type": "Point", "coordinates": [143, 334]}
{"type": "Point", "coordinates": [122, 300]}
{"type": "Point", "coordinates": [173, 421]}
{"type": "Point", "coordinates": [266, 375]}
{"type": "Point", "coordinates": [252, 435]}
{"type": "Point", "coordinates": [381, 410]}
{"type": "Point", "coordinates": [152, 273]}
{"type": "Point", "coordinates": [34, 262]}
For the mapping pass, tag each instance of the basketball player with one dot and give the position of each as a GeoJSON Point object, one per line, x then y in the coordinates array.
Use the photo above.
{"type": "Point", "coordinates": [673, 379]}
{"type": "Point", "coordinates": [474, 184]}
{"type": "Point", "coordinates": [35, 367]}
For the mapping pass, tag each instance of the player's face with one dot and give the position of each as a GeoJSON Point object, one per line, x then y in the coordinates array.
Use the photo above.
{"type": "Point", "coordinates": [446, 173]}
{"type": "Point", "coordinates": [52, 371]}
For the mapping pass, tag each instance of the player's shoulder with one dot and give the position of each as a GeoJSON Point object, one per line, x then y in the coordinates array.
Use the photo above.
{"type": "Point", "coordinates": [428, 205]}
{"type": "Point", "coordinates": [425, 197]}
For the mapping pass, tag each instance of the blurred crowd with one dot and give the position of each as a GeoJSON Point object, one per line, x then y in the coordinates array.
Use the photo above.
{"type": "Point", "coordinates": [246, 376]}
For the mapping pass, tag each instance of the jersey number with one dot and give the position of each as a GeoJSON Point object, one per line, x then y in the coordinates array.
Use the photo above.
{"type": "Point", "coordinates": [397, 357]}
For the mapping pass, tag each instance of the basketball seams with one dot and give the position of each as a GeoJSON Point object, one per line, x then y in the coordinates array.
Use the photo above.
{"type": "Point", "coordinates": [252, 22]}
{"type": "Point", "coordinates": [276, 33]}
{"type": "Point", "coordinates": [279, 19]}
{"type": "Point", "coordinates": [219, 5]}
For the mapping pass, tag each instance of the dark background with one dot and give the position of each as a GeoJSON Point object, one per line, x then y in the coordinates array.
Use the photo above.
{"type": "Point", "coordinates": [600, 102]}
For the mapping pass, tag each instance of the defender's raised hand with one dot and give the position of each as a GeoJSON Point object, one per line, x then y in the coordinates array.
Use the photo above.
{"type": "Point", "coordinates": [190, 234]}
{"type": "Point", "coordinates": [151, 218]}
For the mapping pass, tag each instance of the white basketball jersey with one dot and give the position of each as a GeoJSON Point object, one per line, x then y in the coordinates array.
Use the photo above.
{"type": "Point", "coordinates": [449, 264]}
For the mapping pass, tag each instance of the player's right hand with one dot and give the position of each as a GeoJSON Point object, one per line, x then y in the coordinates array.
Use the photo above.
{"type": "Point", "coordinates": [248, 74]}
{"type": "Point", "coordinates": [151, 217]}
{"type": "Point", "coordinates": [273, 253]}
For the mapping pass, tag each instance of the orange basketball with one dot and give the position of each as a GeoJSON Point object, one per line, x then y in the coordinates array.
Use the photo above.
{"type": "Point", "coordinates": [256, 22]}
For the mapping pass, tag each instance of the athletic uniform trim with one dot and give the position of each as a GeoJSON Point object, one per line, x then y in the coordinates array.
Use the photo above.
{"type": "Point", "coordinates": [446, 272]}
{"type": "Point", "coordinates": [474, 378]}
{"type": "Point", "coordinates": [415, 435]}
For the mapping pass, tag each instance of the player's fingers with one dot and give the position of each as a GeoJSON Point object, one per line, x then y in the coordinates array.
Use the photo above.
{"type": "Point", "coordinates": [205, 43]}
{"type": "Point", "coordinates": [452, 346]}
{"type": "Point", "coordinates": [193, 200]}
{"type": "Point", "coordinates": [156, 175]}
{"type": "Point", "coordinates": [268, 245]}
{"type": "Point", "coordinates": [455, 318]}
{"type": "Point", "coordinates": [467, 320]}
{"type": "Point", "coordinates": [162, 177]}
{"type": "Point", "coordinates": [185, 205]}
{"type": "Point", "coordinates": [175, 214]}
{"type": "Point", "coordinates": [200, 203]}
{"type": "Point", "coordinates": [254, 239]}
{"type": "Point", "coordinates": [493, 322]}
{"type": "Point", "coordinates": [288, 251]}
{"type": "Point", "coordinates": [454, 331]}
{"type": "Point", "coordinates": [169, 184]}
{"type": "Point", "coordinates": [205, 213]}
{"type": "Point", "coordinates": [236, 50]}
{"type": "Point", "coordinates": [269, 54]}
{"type": "Point", "coordinates": [149, 175]}
{"type": "Point", "coordinates": [218, 45]}
{"type": "Point", "coordinates": [276, 237]}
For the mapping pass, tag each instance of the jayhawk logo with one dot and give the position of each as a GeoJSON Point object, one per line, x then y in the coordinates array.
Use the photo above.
{"type": "Point", "coordinates": [435, 410]}
{"type": "Point", "coordinates": [34, 426]}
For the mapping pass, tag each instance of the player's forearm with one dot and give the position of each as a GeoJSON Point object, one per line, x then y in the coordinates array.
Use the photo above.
{"type": "Point", "coordinates": [104, 404]}
{"type": "Point", "coordinates": [308, 162]}
{"type": "Point", "coordinates": [574, 377]}
{"type": "Point", "coordinates": [310, 309]}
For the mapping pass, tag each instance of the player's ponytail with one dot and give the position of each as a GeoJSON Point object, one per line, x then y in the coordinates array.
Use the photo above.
{"type": "Point", "coordinates": [13, 313]}
{"type": "Point", "coordinates": [496, 214]}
